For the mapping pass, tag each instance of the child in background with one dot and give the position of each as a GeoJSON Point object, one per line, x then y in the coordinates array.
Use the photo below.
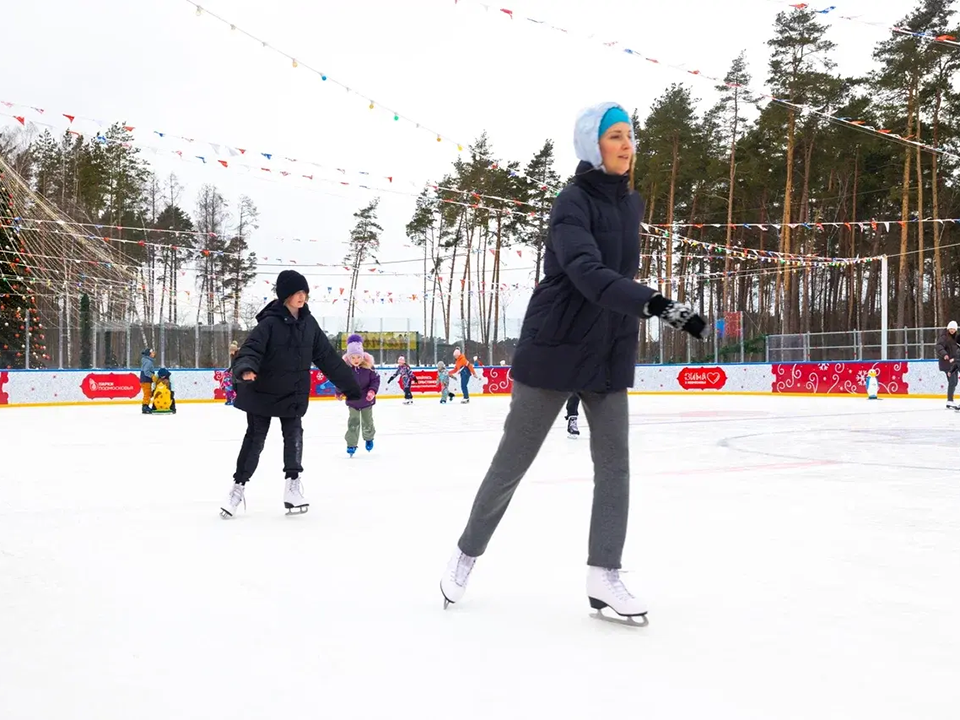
{"type": "Point", "coordinates": [163, 397]}
{"type": "Point", "coordinates": [361, 411]}
{"type": "Point", "coordinates": [443, 377]}
{"type": "Point", "coordinates": [146, 378]}
{"type": "Point", "coordinates": [229, 391]}
{"type": "Point", "coordinates": [407, 378]}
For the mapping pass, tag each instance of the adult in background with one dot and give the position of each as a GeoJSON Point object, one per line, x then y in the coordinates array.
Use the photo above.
{"type": "Point", "coordinates": [465, 369]}
{"type": "Point", "coordinates": [146, 378]}
{"type": "Point", "coordinates": [579, 335]}
{"type": "Point", "coordinates": [947, 352]}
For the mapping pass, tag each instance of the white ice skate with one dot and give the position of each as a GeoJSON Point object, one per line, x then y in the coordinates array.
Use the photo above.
{"type": "Point", "coordinates": [453, 584]}
{"type": "Point", "coordinates": [606, 589]}
{"type": "Point", "coordinates": [293, 499]}
{"type": "Point", "coordinates": [229, 508]}
{"type": "Point", "coordinates": [573, 432]}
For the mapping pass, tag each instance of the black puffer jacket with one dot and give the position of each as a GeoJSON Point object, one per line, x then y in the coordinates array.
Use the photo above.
{"type": "Point", "coordinates": [947, 345]}
{"type": "Point", "coordinates": [581, 327]}
{"type": "Point", "coordinates": [280, 350]}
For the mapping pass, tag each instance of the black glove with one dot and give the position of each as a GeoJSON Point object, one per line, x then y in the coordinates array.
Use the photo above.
{"type": "Point", "coordinates": [677, 315]}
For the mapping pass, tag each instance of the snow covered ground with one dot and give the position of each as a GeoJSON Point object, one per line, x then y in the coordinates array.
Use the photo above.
{"type": "Point", "coordinates": [799, 557]}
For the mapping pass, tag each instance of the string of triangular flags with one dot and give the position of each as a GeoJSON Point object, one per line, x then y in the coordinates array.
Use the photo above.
{"type": "Point", "coordinates": [324, 77]}
{"type": "Point", "coordinates": [753, 253]}
{"type": "Point", "coordinates": [941, 38]}
{"type": "Point", "coordinates": [225, 154]}
{"type": "Point", "coordinates": [864, 225]}
{"type": "Point", "coordinates": [620, 46]}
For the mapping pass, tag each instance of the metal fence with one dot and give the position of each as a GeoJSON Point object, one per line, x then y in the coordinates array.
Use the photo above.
{"type": "Point", "coordinates": [902, 344]}
{"type": "Point", "coordinates": [116, 345]}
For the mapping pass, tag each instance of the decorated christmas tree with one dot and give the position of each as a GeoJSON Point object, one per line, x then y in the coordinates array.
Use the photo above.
{"type": "Point", "coordinates": [18, 307]}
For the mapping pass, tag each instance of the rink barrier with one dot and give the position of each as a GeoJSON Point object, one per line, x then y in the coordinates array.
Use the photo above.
{"type": "Point", "coordinates": [906, 379]}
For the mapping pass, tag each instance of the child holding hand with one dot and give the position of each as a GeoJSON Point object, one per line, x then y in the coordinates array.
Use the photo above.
{"type": "Point", "coordinates": [361, 410]}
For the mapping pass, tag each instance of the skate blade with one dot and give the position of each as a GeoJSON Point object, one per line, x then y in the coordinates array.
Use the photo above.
{"type": "Point", "coordinates": [291, 510]}
{"type": "Point", "coordinates": [446, 603]}
{"type": "Point", "coordinates": [631, 620]}
{"type": "Point", "coordinates": [225, 514]}
{"type": "Point", "coordinates": [627, 620]}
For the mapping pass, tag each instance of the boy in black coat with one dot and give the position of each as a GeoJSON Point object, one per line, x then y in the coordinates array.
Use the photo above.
{"type": "Point", "coordinates": [272, 376]}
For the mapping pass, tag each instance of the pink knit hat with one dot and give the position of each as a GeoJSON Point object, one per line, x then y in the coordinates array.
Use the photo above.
{"type": "Point", "coordinates": [401, 360]}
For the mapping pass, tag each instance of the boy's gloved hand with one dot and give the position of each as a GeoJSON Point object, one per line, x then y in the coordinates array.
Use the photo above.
{"type": "Point", "coordinates": [677, 315]}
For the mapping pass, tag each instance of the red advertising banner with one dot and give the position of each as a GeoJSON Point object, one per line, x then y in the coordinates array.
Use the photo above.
{"type": "Point", "coordinates": [732, 328]}
{"type": "Point", "coordinates": [845, 377]}
{"type": "Point", "coordinates": [110, 386]}
{"type": "Point", "coordinates": [702, 378]}
{"type": "Point", "coordinates": [4, 396]}
{"type": "Point", "coordinates": [426, 382]}
{"type": "Point", "coordinates": [499, 381]}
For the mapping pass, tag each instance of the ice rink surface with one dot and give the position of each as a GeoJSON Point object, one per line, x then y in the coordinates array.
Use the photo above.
{"type": "Point", "coordinates": [800, 558]}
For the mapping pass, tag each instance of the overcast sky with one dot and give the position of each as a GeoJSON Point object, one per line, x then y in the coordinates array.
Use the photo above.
{"type": "Point", "coordinates": [453, 67]}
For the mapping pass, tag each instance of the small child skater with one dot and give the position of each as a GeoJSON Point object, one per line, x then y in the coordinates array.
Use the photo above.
{"type": "Point", "coordinates": [443, 377]}
{"type": "Point", "coordinates": [361, 411]}
{"type": "Point", "coordinates": [229, 391]}
{"type": "Point", "coordinates": [407, 378]}
{"type": "Point", "coordinates": [163, 396]}
{"type": "Point", "coordinates": [272, 375]}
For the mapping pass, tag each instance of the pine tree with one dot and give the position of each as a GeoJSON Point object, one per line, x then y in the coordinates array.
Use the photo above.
{"type": "Point", "coordinates": [799, 74]}
{"type": "Point", "coordinates": [238, 266]}
{"type": "Point", "coordinates": [363, 246]}
{"type": "Point", "coordinates": [211, 221]}
{"type": "Point", "coordinates": [540, 179]}
{"type": "Point", "coordinates": [734, 93]}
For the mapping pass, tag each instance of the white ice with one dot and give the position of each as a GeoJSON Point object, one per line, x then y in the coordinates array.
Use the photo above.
{"type": "Point", "coordinates": [799, 557]}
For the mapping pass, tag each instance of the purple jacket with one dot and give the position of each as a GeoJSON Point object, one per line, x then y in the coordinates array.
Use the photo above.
{"type": "Point", "coordinates": [368, 379]}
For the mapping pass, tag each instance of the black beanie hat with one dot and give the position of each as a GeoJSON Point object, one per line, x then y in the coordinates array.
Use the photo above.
{"type": "Point", "coordinates": [290, 282]}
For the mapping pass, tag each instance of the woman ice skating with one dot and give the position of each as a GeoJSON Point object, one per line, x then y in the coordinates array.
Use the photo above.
{"type": "Point", "coordinates": [407, 378]}
{"type": "Point", "coordinates": [947, 352]}
{"type": "Point", "coordinates": [146, 378]}
{"type": "Point", "coordinates": [466, 370]}
{"type": "Point", "coordinates": [272, 375]}
{"type": "Point", "coordinates": [579, 335]}
{"type": "Point", "coordinates": [361, 411]}
{"type": "Point", "coordinates": [573, 413]}
{"type": "Point", "coordinates": [443, 377]}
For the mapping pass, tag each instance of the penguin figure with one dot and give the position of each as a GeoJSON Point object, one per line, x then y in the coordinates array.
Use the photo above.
{"type": "Point", "coordinates": [873, 386]}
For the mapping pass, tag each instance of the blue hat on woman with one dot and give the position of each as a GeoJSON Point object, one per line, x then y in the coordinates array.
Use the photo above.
{"type": "Point", "coordinates": [591, 125]}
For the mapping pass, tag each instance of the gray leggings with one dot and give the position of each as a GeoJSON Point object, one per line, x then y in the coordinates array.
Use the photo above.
{"type": "Point", "coordinates": [531, 415]}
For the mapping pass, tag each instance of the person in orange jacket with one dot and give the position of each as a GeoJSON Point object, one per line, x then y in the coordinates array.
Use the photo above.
{"type": "Point", "coordinates": [465, 368]}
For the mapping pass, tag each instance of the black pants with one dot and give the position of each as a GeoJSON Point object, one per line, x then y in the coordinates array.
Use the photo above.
{"type": "Point", "coordinates": [249, 457]}
{"type": "Point", "coordinates": [951, 382]}
{"type": "Point", "coordinates": [573, 406]}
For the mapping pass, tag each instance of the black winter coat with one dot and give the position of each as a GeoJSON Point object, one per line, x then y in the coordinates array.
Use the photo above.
{"type": "Point", "coordinates": [581, 327]}
{"type": "Point", "coordinates": [280, 350]}
{"type": "Point", "coordinates": [947, 345]}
